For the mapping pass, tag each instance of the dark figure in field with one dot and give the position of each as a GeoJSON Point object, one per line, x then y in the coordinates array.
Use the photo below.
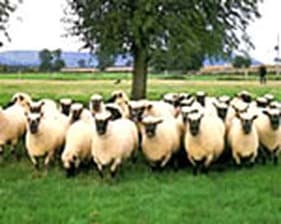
{"type": "Point", "coordinates": [262, 73]}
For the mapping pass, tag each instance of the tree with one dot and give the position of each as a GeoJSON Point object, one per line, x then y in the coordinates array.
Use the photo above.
{"type": "Point", "coordinates": [51, 61]}
{"type": "Point", "coordinates": [143, 27]}
{"type": "Point", "coordinates": [46, 58]}
{"type": "Point", "coordinates": [6, 9]}
{"type": "Point", "coordinates": [105, 59]}
{"type": "Point", "coordinates": [240, 61]}
{"type": "Point", "coordinates": [58, 62]}
{"type": "Point", "coordinates": [81, 63]}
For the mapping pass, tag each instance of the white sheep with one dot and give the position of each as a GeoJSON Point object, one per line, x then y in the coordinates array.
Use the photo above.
{"type": "Point", "coordinates": [96, 104]}
{"type": "Point", "coordinates": [160, 139]}
{"type": "Point", "coordinates": [243, 138]}
{"type": "Point", "coordinates": [45, 135]}
{"type": "Point", "coordinates": [65, 104]}
{"type": "Point", "coordinates": [159, 109]}
{"type": "Point", "coordinates": [12, 126]}
{"type": "Point", "coordinates": [204, 140]}
{"type": "Point", "coordinates": [113, 142]}
{"type": "Point", "coordinates": [78, 144]}
{"type": "Point", "coordinates": [22, 99]}
{"type": "Point", "coordinates": [269, 132]}
{"type": "Point", "coordinates": [121, 99]}
{"type": "Point", "coordinates": [78, 112]}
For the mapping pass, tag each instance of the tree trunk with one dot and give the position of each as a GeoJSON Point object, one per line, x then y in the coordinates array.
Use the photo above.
{"type": "Point", "coordinates": [139, 74]}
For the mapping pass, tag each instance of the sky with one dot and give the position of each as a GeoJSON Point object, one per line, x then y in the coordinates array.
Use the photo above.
{"type": "Point", "coordinates": [36, 25]}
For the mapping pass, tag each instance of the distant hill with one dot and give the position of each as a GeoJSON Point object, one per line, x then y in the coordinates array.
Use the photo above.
{"type": "Point", "coordinates": [31, 59]}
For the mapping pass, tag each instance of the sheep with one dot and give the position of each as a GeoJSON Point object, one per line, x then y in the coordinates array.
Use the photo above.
{"type": "Point", "coordinates": [269, 97]}
{"type": "Point", "coordinates": [45, 135]}
{"type": "Point", "coordinates": [77, 112]}
{"type": "Point", "coordinates": [269, 133]}
{"type": "Point", "coordinates": [243, 138]}
{"type": "Point", "coordinates": [121, 99]}
{"type": "Point", "coordinates": [224, 99]}
{"type": "Point", "coordinates": [245, 96]}
{"type": "Point", "coordinates": [113, 142]}
{"type": "Point", "coordinates": [78, 144]}
{"type": "Point", "coordinates": [12, 126]}
{"type": "Point", "coordinates": [159, 108]}
{"type": "Point", "coordinates": [222, 109]}
{"type": "Point", "coordinates": [160, 140]}
{"type": "Point", "coordinates": [171, 98]}
{"type": "Point", "coordinates": [22, 99]}
{"type": "Point", "coordinates": [46, 106]}
{"type": "Point", "coordinates": [96, 104]}
{"type": "Point", "coordinates": [201, 146]}
{"type": "Point", "coordinates": [65, 105]}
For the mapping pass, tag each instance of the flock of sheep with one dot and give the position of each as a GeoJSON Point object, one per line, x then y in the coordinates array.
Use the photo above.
{"type": "Point", "coordinates": [204, 128]}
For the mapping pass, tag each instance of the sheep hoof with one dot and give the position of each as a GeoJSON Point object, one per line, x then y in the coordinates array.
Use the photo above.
{"type": "Point", "coordinates": [100, 174]}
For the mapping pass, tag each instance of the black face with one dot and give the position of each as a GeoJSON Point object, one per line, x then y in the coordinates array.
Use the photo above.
{"type": "Point", "coordinates": [246, 98]}
{"type": "Point", "coordinates": [150, 130]}
{"type": "Point", "coordinates": [96, 105]}
{"type": "Point", "coordinates": [136, 114]}
{"type": "Point", "coordinates": [222, 112]}
{"type": "Point", "coordinates": [201, 100]}
{"type": "Point", "coordinates": [101, 126]}
{"type": "Point", "coordinates": [76, 115]}
{"type": "Point", "coordinates": [247, 125]}
{"type": "Point", "coordinates": [33, 125]}
{"type": "Point", "coordinates": [194, 126]}
{"type": "Point", "coordinates": [65, 109]}
{"type": "Point", "coordinates": [275, 121]}
{"type": "Point", "coordinates": [262, 104]}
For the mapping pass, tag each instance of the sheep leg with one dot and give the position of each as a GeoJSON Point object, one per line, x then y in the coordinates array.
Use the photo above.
{"type": "Point", "coordinates": [165, 160]}
{"type": "Point", "coordinates": [34, 162]}
{"type": "Point", "coordinates": [48, 159]}
{"type": "Point", "coordinates": [263, 154]}
{"type": "Point", "coordinates": [275, 155]}
{"type": "Point", "coordinates": [236, 158]}
{"type": "Point", "coordinates": [207, 163]}
{"type": "Point", "coordinates": [114, 167]}
{"type": "Point", "coordinates": [100, 169]}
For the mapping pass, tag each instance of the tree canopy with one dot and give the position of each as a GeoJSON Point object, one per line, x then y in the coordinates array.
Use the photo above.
{"type": "Point", "coordinates": [7, 7]}
{"type": "Point", "coordinates": [50, 60]}
{"type": "Point", "coordinates": [146, 27]}
{"type": "Point", "coordinates": [241, 61]}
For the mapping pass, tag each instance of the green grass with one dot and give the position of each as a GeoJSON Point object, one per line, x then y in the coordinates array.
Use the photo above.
{"type": "Point", "coordinates": [137, 195]}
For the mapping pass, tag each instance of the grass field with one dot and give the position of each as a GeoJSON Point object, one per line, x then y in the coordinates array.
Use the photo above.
{"type": "Point", "coordinates": [137, 195]}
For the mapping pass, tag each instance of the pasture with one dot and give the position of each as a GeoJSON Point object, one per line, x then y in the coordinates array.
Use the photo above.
{"type": "Point", "coordinates": [137, 195]}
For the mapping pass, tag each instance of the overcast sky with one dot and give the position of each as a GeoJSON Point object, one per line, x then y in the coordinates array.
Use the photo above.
{"type": "Point", "coordinates": [36, 25]}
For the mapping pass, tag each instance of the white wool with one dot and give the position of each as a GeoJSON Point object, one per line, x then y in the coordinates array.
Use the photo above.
{"type": "Point", "coordinates": [164, 144]}
{"type": "Point", "coordinates": [118, 144]}
{"type": "Point", "coordinates": [242, 145]}
{"type": "Point", "coordinates": [159, 108]}
{"type": "Point", "coordinates": [268, 137]}
{"type": "Point", "coordinates": [78, 143]}
{"type": "Point", "coordinates": [49, 138]}
{"type": "Point", "coordinates": [12, 124]}
{"type": "Point", "coordinates": [204, 144]}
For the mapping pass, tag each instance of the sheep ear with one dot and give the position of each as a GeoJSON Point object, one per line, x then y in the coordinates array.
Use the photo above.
{"type": "Point", "coordinates": [254, 117]}
{"type": "Point", "coordinates": [149, 106]}
{"type": "Point", "coordinates": [42, 103]}
{"type": "Point", "coordinates": [215, 104]}
{"type": "Point", "coordinates": [266, 112]}
{"type": "Point", "coordinates": [41, 114]}
{"type": "Point", "coordinates": [160, 121]}
{"type": "Point", "coordinates": [21, 98]}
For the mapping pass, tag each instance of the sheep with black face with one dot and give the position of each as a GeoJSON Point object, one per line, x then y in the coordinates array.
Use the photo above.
{"type": "Point", "coordinates": [45, 135]}
{"type": "Point", "coordinates": [243, 138]}
{"type": "Point", "coordinates": [65, 105]}
{"type": "Point", "coordinates": [113, 141]}
{"type": "Point", "coordinates": [201, 146]}
{"type": "Point", "coordinates": [78, 112]}
{"type": "Point", "coordinates": [269, 132]}
{"type": "Point", "coordinates": [160, 139]}
{"type": "Point", "coordinates": [96, 104]}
